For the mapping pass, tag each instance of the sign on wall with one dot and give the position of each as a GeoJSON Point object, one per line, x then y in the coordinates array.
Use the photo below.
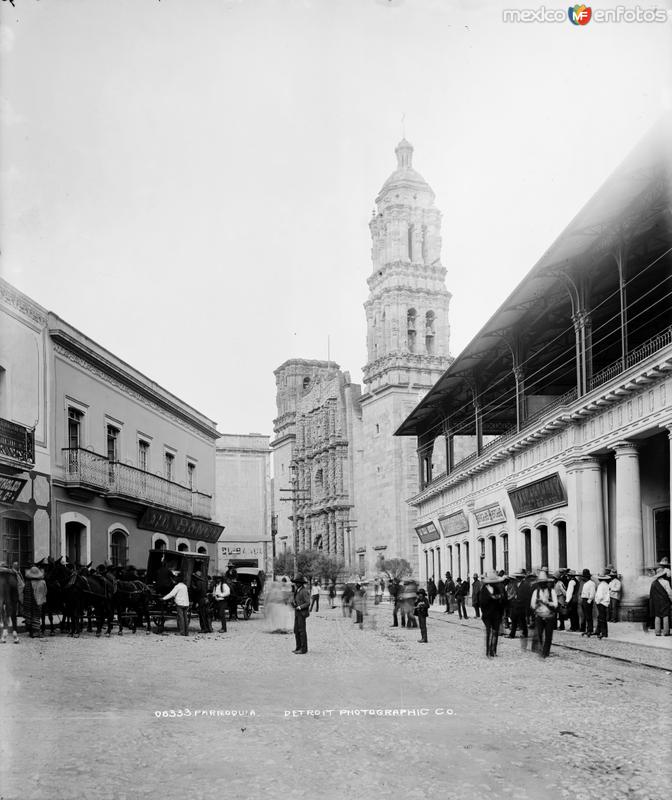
{"type": "Point", "coordinates": [489, 515]}
{"type": "Point", "coordinates": [454, 523]}
{"type": "Point", "coordinates": [10, 489]}
{"type": "Point", "coordinates": [153, 519]}
{"type": "Point", "coordinates": [538, 496]}
{"type": "Point", "coordinates": [427, 533]}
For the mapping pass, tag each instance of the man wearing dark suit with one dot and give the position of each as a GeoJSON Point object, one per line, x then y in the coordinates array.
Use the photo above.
{"type": "Point", "coordinates": [199, 592]}
{"type": "Point", "coordinates": [301, 611]}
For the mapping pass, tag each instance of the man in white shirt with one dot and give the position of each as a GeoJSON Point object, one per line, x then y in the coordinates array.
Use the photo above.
{"type": "Point", "coordinates": [572, 600]}
{"type": "Point", "coordinates": [180, 594]}
{"type": "Point", "coordinates": [602, 600]}
{"type": "Point", "coordinates": [221, 593]}
{"type": "Point", "coordinates": [614, 596]}
{"type": "Point", "coordinates": [587, 600]}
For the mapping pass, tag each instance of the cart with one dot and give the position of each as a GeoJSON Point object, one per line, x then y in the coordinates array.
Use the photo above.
{"type": "Point", "coordinates": [185, 562]}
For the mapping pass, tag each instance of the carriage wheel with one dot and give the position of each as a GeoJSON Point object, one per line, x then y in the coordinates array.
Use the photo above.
{"type": "Point", "coordinates": [247, 609]}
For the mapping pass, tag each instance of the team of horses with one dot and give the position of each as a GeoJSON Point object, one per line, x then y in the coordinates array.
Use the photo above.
{"type": "Point", "coordinates": [75, 592]}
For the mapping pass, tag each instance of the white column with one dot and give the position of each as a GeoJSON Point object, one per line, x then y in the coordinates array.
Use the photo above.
{"type": "Point", "coordinates": [629, 545]}
{"type": "Point", "coordinates": [587, 515]}
{"type": "Point", "coordinates": [553, 554]}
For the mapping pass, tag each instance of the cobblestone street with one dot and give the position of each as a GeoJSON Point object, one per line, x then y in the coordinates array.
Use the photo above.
{"type": "Point", "coordinates": [90, 717]}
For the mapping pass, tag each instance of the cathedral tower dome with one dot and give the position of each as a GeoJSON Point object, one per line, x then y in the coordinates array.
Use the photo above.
{"type": "Point", "coordinates": [404, 177]}
{"type": "Point", "coordinates": [407, 309]}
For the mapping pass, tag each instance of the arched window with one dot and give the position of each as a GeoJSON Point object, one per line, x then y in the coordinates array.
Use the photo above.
{"type": "Point", "coordinates": [527, 537]}
{"type": "Point", "coordinates": [306, 383]}
{"type": "Point", "coordinates": [182, 547]}
{"type": "Point", "coordinates": [411, 329]}
{"type": "Point", "coordinates": [505, 552]}
{"type": "Point", "coordinates": [429, 332]}
{"type": "Point", "coordinates": [562, 544]}
{"type": "Point", "coordinates": [203, 550]}
{"type": "Point", "coordinates": [118, 548]}
{"type": "Point", "coordinates": [481, 555]}
{"type": "Point", "coordinates": [543, 541]}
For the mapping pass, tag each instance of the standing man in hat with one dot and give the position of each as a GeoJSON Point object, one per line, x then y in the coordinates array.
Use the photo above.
{"type": "Point", "coordinates": [199, 592]}
{"type": "Point", "coordinates": [475, 595]}
{"type": "Point", "coordinates": [518, 605]}
{"type": "Point", "coordinates": [587, 601]}
{"type": "Point", "coordinates": [572, 600]}
{"type": "Point", "coordinates": [602, 601]}
{"type": "Point", "coordinates": [34, 597]}
{"type": "Point", "coordinates": [544, 603]}
{"type": "Point", "coordinates": [614, 596]}
{"type": "Point", "coordinates": [421, 611]}
{"type": "Point", "coordinates": [492, 600]}
{"type": "Point", "coordinates": [180, 594]}
{"type": "Point", "coordinates": [301, 613]}
{"type": "Point", "coordinates": [660, 598]}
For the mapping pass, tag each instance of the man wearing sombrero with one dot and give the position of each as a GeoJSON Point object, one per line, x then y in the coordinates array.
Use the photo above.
{"type": "Point", "coordinates": [301, 612]}
{"type": "Point", "coordinates": [492, 600]}
{"type": "Point", "coordinates": [544, 603]}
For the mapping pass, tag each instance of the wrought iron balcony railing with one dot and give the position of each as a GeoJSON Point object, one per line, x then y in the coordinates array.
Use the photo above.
{"type": "Point", "coordinates": [136, 484]}
{"type": "Point", "coordinates": [84, 468]}
{"type": "Point", "coordinates": [17, 442]}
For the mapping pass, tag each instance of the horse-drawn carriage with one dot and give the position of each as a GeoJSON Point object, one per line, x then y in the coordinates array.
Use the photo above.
{"type": "Point", "coordinates": [247, 584]}
{"type": "Point", "coordinates": [162, 563]}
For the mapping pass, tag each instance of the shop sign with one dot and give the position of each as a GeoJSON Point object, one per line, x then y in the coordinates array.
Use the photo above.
{"type": "Point", "coordinates": [427, 533]}
{"type": "Point", "coordinates": [538, 496]}
{"type": "Point", "coordinates": [154, 519]}
{"type": "Point", "coordinates": [454, 523]}
{"type": "Point", "coordinates": [241, 550]}
{"type": "Point", "coordinates": [10, 489]}
{"type": "Point", "coordinates": [489, 515]}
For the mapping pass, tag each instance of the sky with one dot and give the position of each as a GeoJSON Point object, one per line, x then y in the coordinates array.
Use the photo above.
{"type": "Point", "coordinates": [189, 182]}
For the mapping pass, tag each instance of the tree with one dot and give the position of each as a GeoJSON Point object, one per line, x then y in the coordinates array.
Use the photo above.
{"type": "Point", "coordinates": [395, 568]}
{"type": "Point", "coordinates": [311, 564]}
{"type": "Point", "coordinates": [284, 564]}
{"type": "Point", "coordinates": [330, 566]}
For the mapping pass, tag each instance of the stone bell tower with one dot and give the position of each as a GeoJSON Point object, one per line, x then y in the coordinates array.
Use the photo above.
{"type": "Point", "coordinates": [408, 335]}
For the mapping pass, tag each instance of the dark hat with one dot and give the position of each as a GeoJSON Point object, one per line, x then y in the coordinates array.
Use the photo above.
{"type": "Point", "coordinates": [298, 579]}
{"type": "Point", "coordinates": [421, 591]}
{"type": "Point", "coordinates": [586, 574]}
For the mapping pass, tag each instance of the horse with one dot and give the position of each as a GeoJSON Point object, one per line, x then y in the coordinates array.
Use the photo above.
{"type": "Point", "coordinates": [9, 601]}
{"type": "Point", "coordinates": [57, 575]}
{"type": "Point", "coordinates": [90, 589]}
{"type": "Point", "coordinates": [131, 601]}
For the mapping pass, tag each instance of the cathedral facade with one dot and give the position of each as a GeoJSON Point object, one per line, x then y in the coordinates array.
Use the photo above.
{"type": "Point", "coordinates": [335, 459]}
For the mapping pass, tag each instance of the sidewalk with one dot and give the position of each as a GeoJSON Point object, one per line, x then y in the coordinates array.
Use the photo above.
{"type": "Point", "coordinates": [627, 640]}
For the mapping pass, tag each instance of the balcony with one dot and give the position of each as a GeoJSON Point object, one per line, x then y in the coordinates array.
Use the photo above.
{"type": "Point", "coordinates": [86, 473]}
{"type": "Point", "coordinates": [17, 446]}
{"type": "Point", "coordinates": [128, 487]}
